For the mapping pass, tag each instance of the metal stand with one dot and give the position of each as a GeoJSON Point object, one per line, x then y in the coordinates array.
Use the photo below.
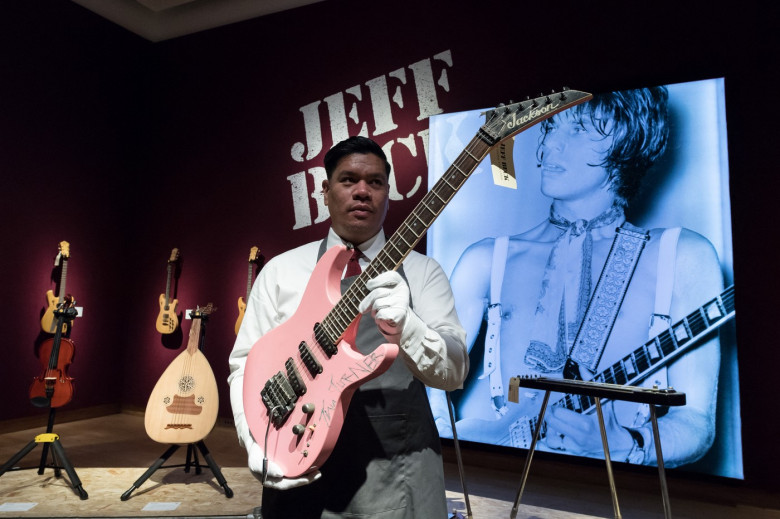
{"type": "Point", "coordinates": [652, 397]}
{"type": "Point", "coordinates": [59, 458]}
{"type": "Point", "coordinates": [461, 472]}
{"type": "Point", "coordinates": [64, 313]}
{"type": "Point", "coordinates": [192, 454]}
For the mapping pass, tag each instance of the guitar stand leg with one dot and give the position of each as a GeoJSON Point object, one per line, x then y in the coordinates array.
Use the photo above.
{"type": "Point", "coordinates": [58, 456]}
{"type": "Point", "coordinates": [151, 470]}
{"type": "Point", "coordinates": [660, 460]}
{"type": "Point", "coordinates": [530, 455]}
{"type": "Point", "coordinates": [215, 469]}
{"type": "Point", "coordinates": [18, 456]}
{"type": "Point", "coordinates": [461, 472]}
{"type": "Point", "coordinates": [607, 460]}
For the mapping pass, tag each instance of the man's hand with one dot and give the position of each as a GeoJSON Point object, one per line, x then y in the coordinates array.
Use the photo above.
{"type": "Point", "coordinates": [580, 434]}
{"type": "Point", "coordinates": [273, 474]}
{"type": "Point", "coordinates": [388, 302]}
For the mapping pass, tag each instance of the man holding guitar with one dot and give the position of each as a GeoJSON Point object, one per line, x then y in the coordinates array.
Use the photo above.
{"type": "Point", "coordinates": [387, 459]}
{"type": "Point", "coordinates": [591, 158]}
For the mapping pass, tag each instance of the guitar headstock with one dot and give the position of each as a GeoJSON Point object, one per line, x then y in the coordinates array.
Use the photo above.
{"type": "Point", "coordinates": [174, 256]}
{"type": "Point", "coordinates": [253, 254]}
{"type": "Point", "coordinates": [504, 121]}
{"type": "Point", "coordinates": [204, 311]}
{"type": "Point", "coordinates": [64, 248]}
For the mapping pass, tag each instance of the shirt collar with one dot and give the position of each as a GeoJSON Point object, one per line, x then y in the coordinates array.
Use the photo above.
{"type": "Point", "coordinates": [370, 248]}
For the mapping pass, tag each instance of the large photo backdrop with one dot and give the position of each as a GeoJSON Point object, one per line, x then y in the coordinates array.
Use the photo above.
{"type": "Point", "coordinates": [687, 188]}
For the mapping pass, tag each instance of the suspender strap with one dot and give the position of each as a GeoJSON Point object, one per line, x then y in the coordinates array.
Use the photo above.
{"type": "Point", "coordinates": [608, 296]}
{"type": "Point", "coordinates": [667, 257]}
{"type": "Point", "coordinates": [492, 362]}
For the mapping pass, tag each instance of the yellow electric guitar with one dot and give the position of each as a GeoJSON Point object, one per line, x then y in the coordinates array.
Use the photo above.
{"type": "Point", "coordinates": [184, 403]}
{"type": "Point", "coordinates": [253, 256]}
{"type": "Point", "coordinates": [167, 319]}
{"type": "Point", "coordinates": [48, 322]}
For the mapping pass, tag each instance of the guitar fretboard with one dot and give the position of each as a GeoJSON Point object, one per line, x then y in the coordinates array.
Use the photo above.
{"type": "Point", "coordinates": [660, 350]}
{"type": "Point", "coordinates": [63, 280]}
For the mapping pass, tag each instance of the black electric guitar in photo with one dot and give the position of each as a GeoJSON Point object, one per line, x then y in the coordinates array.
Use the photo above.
{"type": "Point", "coordinates": [167, 319]}
{"type": "Point", "coordinates": [48, 321]}
{"type": "Point", "coordinates": [253, 257]}
{"type": "Point", "coordinates": [184, 403]}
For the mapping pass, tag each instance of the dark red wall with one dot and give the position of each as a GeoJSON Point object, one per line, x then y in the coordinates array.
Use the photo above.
{"type": "Point", "coordinates": [127, 149]}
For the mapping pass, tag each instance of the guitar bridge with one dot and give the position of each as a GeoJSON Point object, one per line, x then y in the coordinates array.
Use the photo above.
{"type": "Point", "coordinates": [279, 398]}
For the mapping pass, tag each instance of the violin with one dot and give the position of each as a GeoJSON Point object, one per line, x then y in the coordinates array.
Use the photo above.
{"type": "Point", "coordinates": [53, 387]}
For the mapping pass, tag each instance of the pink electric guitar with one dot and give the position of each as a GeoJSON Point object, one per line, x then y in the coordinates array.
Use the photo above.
{"type": "Point", "coordinates": [300, 377]}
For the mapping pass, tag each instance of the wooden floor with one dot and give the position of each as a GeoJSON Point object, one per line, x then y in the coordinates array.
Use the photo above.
{"type": "Point", "coordinates": [109, 454]}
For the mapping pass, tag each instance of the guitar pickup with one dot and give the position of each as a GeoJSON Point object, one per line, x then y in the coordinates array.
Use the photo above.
{"type": "Point", "coordinates": [294, 377]}
{"type": "Point", "coordinates": [322, 338]}
{"type": "Point", "coordinates": [311, 363]}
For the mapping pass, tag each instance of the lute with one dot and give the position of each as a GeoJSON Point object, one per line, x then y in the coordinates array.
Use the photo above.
{"type": "Point", "coordinates": [300, 376]}
{"type": "Point", "coordinates": [183, 405]}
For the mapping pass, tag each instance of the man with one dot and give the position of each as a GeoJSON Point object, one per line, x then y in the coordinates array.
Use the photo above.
{"type": "Point", "coordinates": [388, 459]}
{"type": "Point", "coordinates": [591, 158]}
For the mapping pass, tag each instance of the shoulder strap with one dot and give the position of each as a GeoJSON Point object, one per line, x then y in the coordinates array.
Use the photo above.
{"type": "Point", "coordinates": [606, 300]}
{"type": "Point", "coordinates": [492, 357]}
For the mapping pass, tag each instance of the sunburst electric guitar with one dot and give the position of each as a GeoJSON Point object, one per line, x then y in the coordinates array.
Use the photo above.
{"type": "Point", "coordinates": [184, 403]}
{"type": "Point", "coordinates": [167, 319]}
{"type": "Point", "coordinates": [253, 257]}
{"type": "Point", "coordinates": [48, 321]}
{"type": "Point", "coordinates": [300, 376]}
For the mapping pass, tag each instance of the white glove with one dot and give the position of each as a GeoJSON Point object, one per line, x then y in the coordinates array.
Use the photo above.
{"type": "Point", "coordinates": [388, 302]}
{"type": "Point", "coordinates": [274, 477]}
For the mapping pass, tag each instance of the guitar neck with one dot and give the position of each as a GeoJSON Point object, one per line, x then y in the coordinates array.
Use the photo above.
{"type": "Point", "coordinates": [249, 282]}
{"type": "Point", "coordinates": [168, 284]}
{"type": "Point", "coordinates": [408, 235]}
{"type": "Point", "coordinates": [63, 281]}
{"type": "Point", "coordinates": [660, 350]}
{"type": "Point", "coordinates": [193, 343]}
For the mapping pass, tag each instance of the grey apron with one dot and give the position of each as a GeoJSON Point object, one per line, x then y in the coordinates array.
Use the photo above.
{"type": "Point", "coordinates": [387, 461]}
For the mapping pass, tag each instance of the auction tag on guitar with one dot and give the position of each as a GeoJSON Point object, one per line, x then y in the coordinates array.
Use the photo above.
{"type": "Point", "coordinates": [502, 164]}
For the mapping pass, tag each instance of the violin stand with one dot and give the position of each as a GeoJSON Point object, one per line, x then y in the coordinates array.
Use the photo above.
{"type": "Point", "coordinates": [192, 454]}
{"type": "Point", "coordinates": [58, 452]}
{"type": "Point", "coordinates": [58, 455]}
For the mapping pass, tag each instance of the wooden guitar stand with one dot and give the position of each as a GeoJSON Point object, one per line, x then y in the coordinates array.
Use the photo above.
{"type": "Point", "coordinates": [596, 390]}
{"type": "Point", "coordinates": [59, 458]}
{"type": "Point", "coordinates": [192, 461]}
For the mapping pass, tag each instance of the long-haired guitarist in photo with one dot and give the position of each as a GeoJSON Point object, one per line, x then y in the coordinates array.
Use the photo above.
{"type": "Point", "coordinates": [387, 456]}
{"type": "Point", "coordinates": [585, 295]}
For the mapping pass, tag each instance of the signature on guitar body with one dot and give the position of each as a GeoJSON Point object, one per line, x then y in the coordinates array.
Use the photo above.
{"type": "Point", "coordinates": [300, 376]}
{"type": "Point", "coordinates": [183, 405]}
{"type": "Point", "coordinates": [48, 322]}
{"type": "Point", "coordinates": [253, 258]}
{"type": "Point", "coordinates": [167, 319]}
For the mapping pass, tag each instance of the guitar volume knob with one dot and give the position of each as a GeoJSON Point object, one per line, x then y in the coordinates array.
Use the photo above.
{"type": "Point", "coordinates": [298, 429]}
{"type": "Point", "coordinates": [308, 408]}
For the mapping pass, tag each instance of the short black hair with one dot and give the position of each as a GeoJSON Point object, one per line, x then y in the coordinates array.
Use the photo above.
{"type": "Point", "coordinates": [349, 146]}
{"type": "Point", "coordinates": [638, 120]}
